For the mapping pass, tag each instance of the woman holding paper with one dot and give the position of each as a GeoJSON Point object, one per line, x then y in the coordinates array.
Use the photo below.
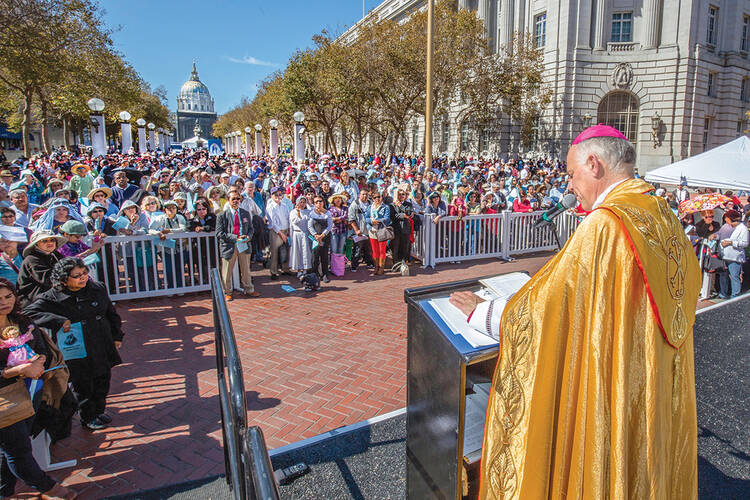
{"type": "Point", "coordinates": [82, 306]}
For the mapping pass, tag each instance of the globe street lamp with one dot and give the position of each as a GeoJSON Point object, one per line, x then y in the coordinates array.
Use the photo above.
{"type": "Point", "coordinates": [127, 134]}
{"type": "Point", "coordinates": [273, 150]}
{"type": "Point", "coordinates": [98, 130]}
{"type": "Point", "coordinates": [299, 140]}
{"type": "Point", "coordinates": [141, 135]}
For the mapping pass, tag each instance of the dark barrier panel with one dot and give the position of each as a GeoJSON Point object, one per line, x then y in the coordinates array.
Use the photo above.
{"type": "Point", "coordinates": [261, 479]}
{"type": "Point", "coordinates": [249, 473]}
{"type": "Point", "coordinates": [231, 391]}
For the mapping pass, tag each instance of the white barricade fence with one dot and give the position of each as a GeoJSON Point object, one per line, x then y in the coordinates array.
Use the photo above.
{"type": "Point", "coordinates": [143, 266]}
{"type": "Point", "coordinates": [484, 236]}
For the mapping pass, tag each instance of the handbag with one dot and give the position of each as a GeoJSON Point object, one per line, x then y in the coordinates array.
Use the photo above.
{"type": "Point", "coordinates": [385, 233]}
{"type": "Point", "coordinates": [15, 403]}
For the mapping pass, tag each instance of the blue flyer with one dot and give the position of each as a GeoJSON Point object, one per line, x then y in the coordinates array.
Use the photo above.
{"type": "Point", "coordinates": [71, 343]}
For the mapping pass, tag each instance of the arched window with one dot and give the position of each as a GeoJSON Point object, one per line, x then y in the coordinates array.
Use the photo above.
{"type": "Point", "coordinates": [620, 110]}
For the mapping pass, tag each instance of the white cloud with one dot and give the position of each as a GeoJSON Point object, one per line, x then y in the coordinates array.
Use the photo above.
{"type": "Point", "coordinates": [250, 60]}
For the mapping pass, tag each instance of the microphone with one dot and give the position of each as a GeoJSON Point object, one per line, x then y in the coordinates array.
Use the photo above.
{"type": "Point", "coordinates": [567, 201]}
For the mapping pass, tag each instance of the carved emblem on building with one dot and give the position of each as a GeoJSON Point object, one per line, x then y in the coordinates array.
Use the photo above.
{"type": "Point", "coordinates": [622, 76]}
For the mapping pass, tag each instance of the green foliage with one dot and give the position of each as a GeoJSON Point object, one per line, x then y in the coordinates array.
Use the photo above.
{"type": "Point", "coordinates": [57, 54]}
{"type": "Point", "coordinates": [378, 82]}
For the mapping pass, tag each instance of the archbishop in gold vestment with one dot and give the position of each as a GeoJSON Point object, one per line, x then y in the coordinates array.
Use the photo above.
{"type": "Point", "coordinates": [594, 392]}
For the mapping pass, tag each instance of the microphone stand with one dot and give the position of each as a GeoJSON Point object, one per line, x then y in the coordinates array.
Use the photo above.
{"type": "Point", "coordinates": [552, 227]}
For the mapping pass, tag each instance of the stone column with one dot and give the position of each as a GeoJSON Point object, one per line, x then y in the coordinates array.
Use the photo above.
{"type": "Point", "coordinates": [506, 21]}
{"type": "Point", "coordinates": [463, 4]}
{"type": "Point", "coordinates": [601, 13]}
{"type": "Point", "coordinates": [519, 11]}
{"type": "Point", "coordinates": [651, 22]}
{"type": "Point", "coordinates": [483, 9]}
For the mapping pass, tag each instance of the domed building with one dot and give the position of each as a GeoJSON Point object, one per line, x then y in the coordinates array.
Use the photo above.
{"type": "Point", "coordinates": [194, 104]}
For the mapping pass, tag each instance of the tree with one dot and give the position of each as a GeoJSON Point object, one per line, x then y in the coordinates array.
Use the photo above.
{"type": "Point", "coordinates": [41, 44]}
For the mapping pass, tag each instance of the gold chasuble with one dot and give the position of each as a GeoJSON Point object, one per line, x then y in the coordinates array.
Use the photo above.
{"type": "Point", "coordinates": [594, 393]}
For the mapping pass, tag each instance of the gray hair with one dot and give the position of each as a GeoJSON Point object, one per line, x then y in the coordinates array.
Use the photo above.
{"type": "Point", "coordinates": [617, 155]}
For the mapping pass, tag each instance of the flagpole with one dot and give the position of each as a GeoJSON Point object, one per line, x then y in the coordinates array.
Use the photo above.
{"type": "Point", "coordinates": [428, 100]}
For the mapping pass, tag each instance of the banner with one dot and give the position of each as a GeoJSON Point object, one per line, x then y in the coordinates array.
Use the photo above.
{"type": "Point", "coordinates": [215, 148]}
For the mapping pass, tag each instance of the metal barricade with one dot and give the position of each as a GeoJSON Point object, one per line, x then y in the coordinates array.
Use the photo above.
{"type": "Point", "coordinates": [231, 391]}
{"type": "Point", "coordinates": [145, 266]}
{"type": "Point", "coordinates": [485, 236]}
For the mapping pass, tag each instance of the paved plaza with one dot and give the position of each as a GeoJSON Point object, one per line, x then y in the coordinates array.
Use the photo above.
{"type": "Point", "coordinates": [312, 363]}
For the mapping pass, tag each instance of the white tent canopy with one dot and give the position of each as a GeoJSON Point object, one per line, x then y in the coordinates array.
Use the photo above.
{"type": "Point", "coordinates": [192, 143]}
{"type": "Point", "coordinates": [724, 167]}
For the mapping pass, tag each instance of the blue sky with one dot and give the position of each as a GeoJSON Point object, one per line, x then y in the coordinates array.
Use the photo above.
{"type": "Point", "coordinates": [236, 43]}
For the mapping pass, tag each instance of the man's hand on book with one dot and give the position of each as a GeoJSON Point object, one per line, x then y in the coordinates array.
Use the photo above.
{"type": "Point", "coordinates": [466, 302]}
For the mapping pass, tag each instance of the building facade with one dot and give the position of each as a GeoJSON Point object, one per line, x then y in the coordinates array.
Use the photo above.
{"type": "Point", "coordinates": [194, 104]}
{"type": "Point", "coordinates": [672, 75]}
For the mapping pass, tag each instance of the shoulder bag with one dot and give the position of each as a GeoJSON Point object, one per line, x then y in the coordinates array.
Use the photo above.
{"type": "Point", "coordinates": [15, 403]}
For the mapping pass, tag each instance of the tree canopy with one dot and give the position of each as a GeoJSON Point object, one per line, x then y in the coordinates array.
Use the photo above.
{"type": "Point", "coordinates": [57, 54]}
{"type": "Point", "coordinates": [376, 84]}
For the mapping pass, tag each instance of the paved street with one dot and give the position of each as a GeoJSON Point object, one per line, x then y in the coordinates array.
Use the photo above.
{"type": "Point", "coordinates": [311, 364]}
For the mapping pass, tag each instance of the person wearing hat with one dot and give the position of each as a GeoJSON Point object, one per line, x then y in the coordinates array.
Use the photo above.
{"type": "Point", "coordinates": [102, 195]}
{"type": "Point", "coordinates": [6, 179]}
{"type": "Point", "coordinates": [39, 257]}
{"type": "Point", "coordinates": [74, 232]}
{"type": "Point", "coordinates": [216, 195]}
{"type": "Point", "coordinates": [339, 215]}
{"type": "Point", "coordinates": [33, 187]}
{"type": "Point", "coordinates": [97, 221]}
{"type": "Point", "coordinates": [174, 258]}
{"type": "Point", "coordinates": [596, 364]}
{"type": "Point", "coordinates": [733, 238]}
{"type": "Point", "coordinates": [10, 259]}
{"type": "Point", "coordinates": [82, 181]}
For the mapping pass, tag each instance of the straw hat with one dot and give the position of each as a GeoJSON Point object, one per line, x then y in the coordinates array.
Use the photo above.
{"type": "Point", "coordinates": [107, 192]}
{"type": "Point", "coordinates": [343, 195]}
{"type": "Point", "coordinates": [80, 166]}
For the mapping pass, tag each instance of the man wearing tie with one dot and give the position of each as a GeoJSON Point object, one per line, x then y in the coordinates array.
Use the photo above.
{"type": "Point", "coordinates": [234, 230]}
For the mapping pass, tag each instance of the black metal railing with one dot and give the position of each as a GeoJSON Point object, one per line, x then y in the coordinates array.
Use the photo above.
{"type": "Point", "coordinates": [248, 466]}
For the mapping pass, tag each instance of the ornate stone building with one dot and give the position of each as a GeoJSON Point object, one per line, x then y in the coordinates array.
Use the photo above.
{"type": "Point", "coordinates": [673, 75]}
{"type": "Point", "coordinates": [194, 104]}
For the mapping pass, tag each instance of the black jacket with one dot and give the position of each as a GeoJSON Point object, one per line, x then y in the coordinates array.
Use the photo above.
{"type": "Point", "coordinates": [208, 224]}
{"type": "Point", "coordinates": [227, 239]}
{"type": "Point", "coordinates": [91, 307]}
{"type": "Point", "coordinates": [35, 275]}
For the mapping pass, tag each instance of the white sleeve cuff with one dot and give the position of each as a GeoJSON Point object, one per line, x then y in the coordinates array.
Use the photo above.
{"type": "Point", "coordinates": [486, 317]}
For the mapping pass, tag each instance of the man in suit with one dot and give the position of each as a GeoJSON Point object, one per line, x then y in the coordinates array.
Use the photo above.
{"type": "Point", "coordinates": [234, 229]}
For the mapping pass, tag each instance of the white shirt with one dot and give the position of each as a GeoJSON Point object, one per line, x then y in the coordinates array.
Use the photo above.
{"type": "Point", "coordinates": [604, 194]}
{"type": "Point", "coordinates": [278, 214]}
{"type": "Point", "coordinates": [740, 239]}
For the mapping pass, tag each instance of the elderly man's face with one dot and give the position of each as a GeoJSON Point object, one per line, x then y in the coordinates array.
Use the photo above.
{"type": "Point", "coordinates": [584, 178]}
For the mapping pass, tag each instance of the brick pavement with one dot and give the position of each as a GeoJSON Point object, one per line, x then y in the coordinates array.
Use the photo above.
{"type": "Point", "coordinates": [311, 363]}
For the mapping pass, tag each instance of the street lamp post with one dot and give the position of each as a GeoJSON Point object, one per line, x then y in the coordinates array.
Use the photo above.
{"type": "Point", "coordinates": [127, 134]}
{"type": "Point", "coordinates": [274, 138]}
{"type": "Point", "coordinates": [258, 139]}
{"type": "Point", "coordinates": [299, 139]}
{"type": "Point", "coordinates": [151, 138]}
{"type": "Point", "coordinates": [248, 131]}
{"type": "Point", "coordinates": [97, 127]}
{"type": "Point", "coordinates": [141, 135]}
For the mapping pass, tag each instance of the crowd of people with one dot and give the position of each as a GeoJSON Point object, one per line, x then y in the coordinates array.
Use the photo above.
{"type": "Point", "coordinates": [310, 219]}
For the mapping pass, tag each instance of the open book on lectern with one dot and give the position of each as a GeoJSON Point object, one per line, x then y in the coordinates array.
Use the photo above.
{"type": "Point", "coordinates": [503, 286]}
